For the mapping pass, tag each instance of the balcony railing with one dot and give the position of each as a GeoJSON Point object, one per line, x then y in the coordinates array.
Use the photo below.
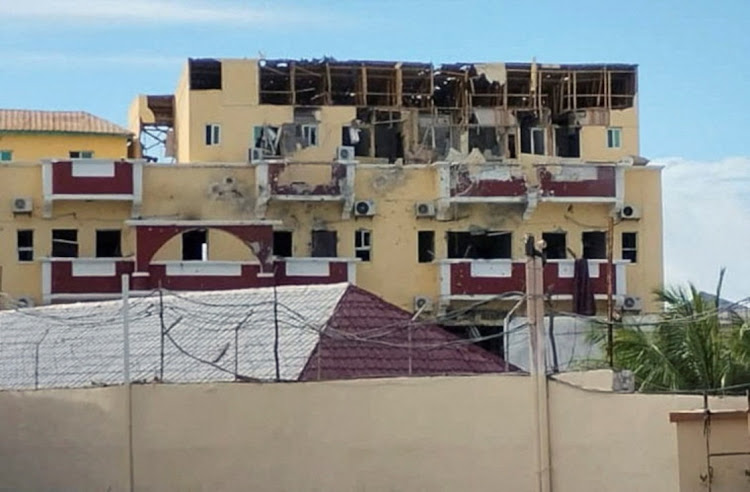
{"type": "Point", "coordinates": [100, 278]}
{"type": "Point", "coordinates": [469, 278]}
{"type": "Point", "coordinates": [92, 179]}
{"type": "Point", "coordinates": [580, 182]}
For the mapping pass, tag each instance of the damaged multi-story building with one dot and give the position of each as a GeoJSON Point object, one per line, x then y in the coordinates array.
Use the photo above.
{"type": "Point", "coordinates": [413, 180]}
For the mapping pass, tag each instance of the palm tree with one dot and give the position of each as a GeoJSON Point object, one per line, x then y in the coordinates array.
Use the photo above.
{"type": "Point", "coordinates": [691, 346]}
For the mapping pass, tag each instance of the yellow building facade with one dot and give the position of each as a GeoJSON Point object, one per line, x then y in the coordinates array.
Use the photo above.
{"type": "Point", "coordinates": [414, 181]}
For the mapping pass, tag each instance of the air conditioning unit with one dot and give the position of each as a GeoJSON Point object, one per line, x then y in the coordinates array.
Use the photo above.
{"type": "Point", "coordinates": [255, 155]}
{"type": "Point", "coordinates": [630, 303]}
{"type": "Point", "coordinates": [423, 303]}
{"type": "Point", "coordinates": [630, 212]}
{"type": "Point", "coordinates": [345, 153]}
{"type": "Point", "coordinates": [24, 302]}
{"type": "Point", "coordinates": [364, 208]}
{"type": "Point", "coordinates": [424, 209]}
{"type": "Point", "coordinates": [22, 205]}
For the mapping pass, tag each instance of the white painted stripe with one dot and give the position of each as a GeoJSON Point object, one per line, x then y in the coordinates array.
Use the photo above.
{"type": "Point", "coordinates": [497, 269]}
{"type": "Point", "coordinates": [594, 268]}
{"type": "Point", "coordinates": [93, 269]}
{"type": "Point", "coordinates": [203, 269]}
{"type": "Point", "coordinates": [566, 269]}
{"type": "Point", "coordinates": [308, 269]}
{"type": "Point", "coordinates": [83, 169]}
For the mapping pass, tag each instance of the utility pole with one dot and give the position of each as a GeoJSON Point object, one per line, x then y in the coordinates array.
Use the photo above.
{"type": "Point", "coordinates": [610, 301]}
{"type": "Point", "coordinates": [126, 373]}
{"type": "Point", "coordinates": [537, 364]}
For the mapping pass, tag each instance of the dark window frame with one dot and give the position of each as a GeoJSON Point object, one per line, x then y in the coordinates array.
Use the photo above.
{"type": "Point", "coordinates": [25, 248]}
{"type": "Point", "coordinates": [104, 245]}
{"type": "Point", "coordinates": [62, 246]}
{"type": "Point", "coordinates": [425, 246]}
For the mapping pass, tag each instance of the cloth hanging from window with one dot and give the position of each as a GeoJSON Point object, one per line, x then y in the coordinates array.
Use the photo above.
{"type": "Point", "coordinates": [583, 291]}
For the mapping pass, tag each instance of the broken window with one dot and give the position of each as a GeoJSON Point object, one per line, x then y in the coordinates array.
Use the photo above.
{"type": "Point", "coordinates": [630, 246]}
{"type": "Point", "coordinates": [480, 244]}
{"type": "Point", "coordinates": [64, 243]}
{"type": "Point", "coordinates": [282, 243]}
{"type": "Point", "coordinates": [6, 155]}
{"type": "Point", "coordinates": [25, 245]}
{"type": "Point", "coordinates": [594, 245]}
{"type": "Point", "coordinates": [389, 142]}
{"type": "Point", "coordinates": [359, 138]}
{"type": "Point", "coordinates": [195, 245]}
{"type": "Point", "coordinates": [363, 244]}
{"type": "Point", "coordinates": [275, 80]}
{"type": "Point", "coordinates": [483, 133]}
{"type": "Point", "coordinates": [108, 244]}
{"type": "Point", "coordinates": [568, 141]}
{"type": "Point", "coordinates": [614, 138]}
{"type": "Point", "coordinates": [425, 246]}
{"type": "Point", "coordinates": [323, 244]}
{"type": "Point", "coordinates": [81, 154]}
{"type": "Point", "coordinates": [267, 139]}
{"type": "Point", "coordinates": [556, 245]}
{"type": "Point", "coordinates": [213, 134]}
{"type": "Point", "coordinates": [310, 135]}
{"type": "Point", "coordinates": [205, 74]}
{"type": "Point", "coordinates": [512, 153]}
{"type": "Point", "coordinates": [532, 136]}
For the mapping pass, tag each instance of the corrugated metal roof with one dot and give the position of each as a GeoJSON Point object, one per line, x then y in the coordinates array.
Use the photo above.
{"type": "Point", "coordinates": [213, 336]}
{"type": "Point", "coordinates": [24, 120]}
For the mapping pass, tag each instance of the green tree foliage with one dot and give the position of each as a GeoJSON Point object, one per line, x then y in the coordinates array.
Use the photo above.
{"type": "Point", "coordinates": [695, 345]}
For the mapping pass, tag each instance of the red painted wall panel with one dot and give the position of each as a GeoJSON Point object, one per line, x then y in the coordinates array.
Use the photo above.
{"type": "Point", "coordinates": [462, 283]}
{"type": "Point", "coordinates": [603, 186]}
{"type": "Point", "coordinates": [63, 281]}
{"type": "Point", "coordinates": [64, 183]}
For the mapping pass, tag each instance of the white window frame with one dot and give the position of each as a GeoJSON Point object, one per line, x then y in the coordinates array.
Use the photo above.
{"type": "Point", "coordinates": [310, 134]}
{"type": "Point", "coordinates": [7, 152]}
{"type": "Point", "coordinates": [540, 130]}
{"type": "Point", "coordinates": [214, 135]}
{"type": "Point", "coordinates": [23, 249]}
{"type": "Point", "coordinates": [90, 154]}
{"type": "Point", "coordinates": [613, 131]}
{"type": "Point", "coordinates": [363, 237]}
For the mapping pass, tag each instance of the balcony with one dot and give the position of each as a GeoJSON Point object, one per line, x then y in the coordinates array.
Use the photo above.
{"type": "Point", "coordinates": [69, 279]}
{"type": "Point", "coordinates": [588, 183]}
{"type": "Point", "coordinates": [92, 179]}
{"type": "Point", "coordinates": [316, 182]}
{"type": "Point", "coordinates": [482, 183]}
{"type": "Point", "coordinates": [467, 279]}
{"type": "Point", "coordinates": [78, 278]}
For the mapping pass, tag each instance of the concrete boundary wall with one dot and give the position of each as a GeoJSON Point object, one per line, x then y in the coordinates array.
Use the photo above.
{"type": "Point", "coordinates": [443, 433]}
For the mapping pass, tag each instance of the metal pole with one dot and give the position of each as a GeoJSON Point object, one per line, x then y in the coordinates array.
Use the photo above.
{"type": "Point", "coordinates": [126, 374]}
{"type": "Point", "coordinates": [161, 341]}
{"type": "Point", "coordinates": [125, 329]}
{"type": "Point", "coordinates": [610, 302]}
{"type": "Point", "coordinates": [537, 367]}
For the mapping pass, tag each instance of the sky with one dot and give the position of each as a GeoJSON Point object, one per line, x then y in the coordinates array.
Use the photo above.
{"type": "Point", "coordinates": [96, 55]}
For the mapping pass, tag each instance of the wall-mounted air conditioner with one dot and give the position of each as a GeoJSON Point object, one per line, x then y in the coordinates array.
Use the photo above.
{"type": "Point", "coordinates": [423, 303]}
{"type": "Point", "coordinates": [24, 302]}
{"type": "Point", "coordinates": [424, 209]}
{"type": "Point", "coordinates": [345, 153]}
{"type": "Point", "coordinates": [630, 212]}
{"type": "Point", "coordinates": [364, 208]}
{"type": "Point", "coordinates": [22, 205]}
{"type": "Point", "coordinates": [630, 303]}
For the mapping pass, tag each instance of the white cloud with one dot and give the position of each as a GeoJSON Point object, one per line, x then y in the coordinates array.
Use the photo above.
{"type": "Point", "coordinates": [707, 223]}
{"type": "Point", "coordinates": [160, 12]}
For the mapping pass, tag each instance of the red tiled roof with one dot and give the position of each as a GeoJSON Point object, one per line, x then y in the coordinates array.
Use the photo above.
{"type": "Point", "coordinates": [368, 337]}
{"type": "Point", "coordinates": [24, 120]}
